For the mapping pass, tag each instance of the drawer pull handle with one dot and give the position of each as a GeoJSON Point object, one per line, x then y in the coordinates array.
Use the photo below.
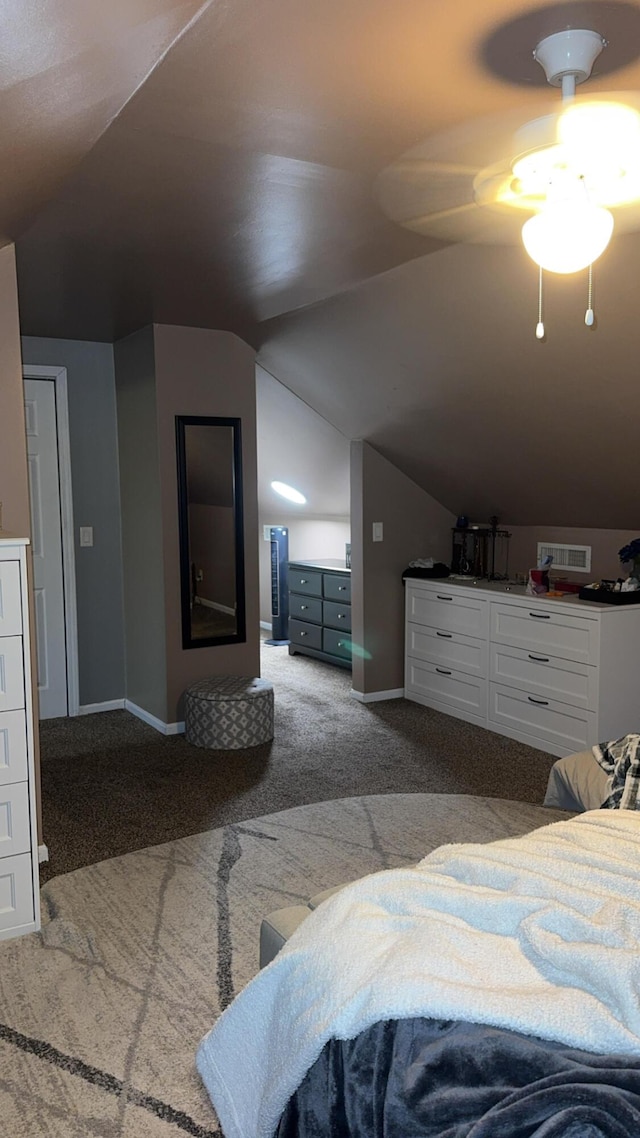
{"type": "Point", "coordinates": [340, 644]}
{"type": "Point", "coordinates": [303, 581]}
{"type": "Point", "coordinates": [340, 616]}
{"type": "Point", "coordinates": [539, 659]}
{"type": "Point", "coordinates": [303, 608]}
{"type": "Point", "coordinates": [541, 615]}
{"type": "Point", "coordinates": [542, 702]}
{"type": "Point", "coordinates": [342, 588]}
{"type": "Point", "coordinates": [303, 634]}
{"type": "Point", "coordinates": [443, 671]}
{"type": "Point", "coordinates": [441, 598]}
{"type": "Point", "coordinates": [444, 635]}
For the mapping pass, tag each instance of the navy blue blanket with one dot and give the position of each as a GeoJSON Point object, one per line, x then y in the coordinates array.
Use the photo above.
{"type": "Point", "coordinates": [425, 1078]}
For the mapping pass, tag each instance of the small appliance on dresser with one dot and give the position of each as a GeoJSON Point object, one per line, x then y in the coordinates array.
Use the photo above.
{"type": "Point", "coordinates": [320, 610]}
{"type": "Point", "coordinates": [19, 879]}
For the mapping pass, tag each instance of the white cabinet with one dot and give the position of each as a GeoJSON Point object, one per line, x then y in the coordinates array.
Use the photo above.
{"type": "Point", "coordinates": [19, 899]}
{"type": "Point", "coordinates": [559, 675]}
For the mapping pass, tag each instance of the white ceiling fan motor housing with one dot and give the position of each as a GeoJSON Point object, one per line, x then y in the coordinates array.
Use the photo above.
{"type": "Point", "coordinates": [569, 53]}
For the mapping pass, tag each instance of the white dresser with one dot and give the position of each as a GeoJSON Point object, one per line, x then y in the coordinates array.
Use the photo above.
{"type": "Point", "coordinates": [559, 674]}
{"type": "Point", "coordinates": [19, 897]}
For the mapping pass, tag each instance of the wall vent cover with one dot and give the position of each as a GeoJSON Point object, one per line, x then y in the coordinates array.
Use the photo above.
{"type": "Point", "coordinates": [575, 558]}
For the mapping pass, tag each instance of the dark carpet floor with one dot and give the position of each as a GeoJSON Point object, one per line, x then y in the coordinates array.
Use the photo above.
{"type": "Point", "coordinates": [112, 784]}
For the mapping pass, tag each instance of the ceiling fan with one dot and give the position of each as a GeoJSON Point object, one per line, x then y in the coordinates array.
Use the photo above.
{"type": "Point", "coordinates": [559, 182]}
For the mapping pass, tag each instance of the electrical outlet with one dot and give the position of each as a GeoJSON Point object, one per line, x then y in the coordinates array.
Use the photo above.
{"type": "Point", "coordinates": [199, 575]}
{"type": "Point", "coordinates": [86, 535]}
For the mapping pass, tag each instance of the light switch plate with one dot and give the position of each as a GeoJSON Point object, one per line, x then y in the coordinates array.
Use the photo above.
{"type": "Point", "coordinates": [86, 535]}
{"type": "Point", "coordinates": [377, 531]}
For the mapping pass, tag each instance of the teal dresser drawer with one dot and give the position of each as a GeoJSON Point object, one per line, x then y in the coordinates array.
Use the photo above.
{"type": "Point", "coordinates": [306, 635]}
{"type": "Point", "coordinates": [337, 616]}
{"type": "Point", "coordinates": [305, 608]}
{"type": "Point", "coordinates": [336, 588]}
{"type": "Point", "coordinates": [336, 643]}
{"type": "Point", "coordinates": [309, 583]}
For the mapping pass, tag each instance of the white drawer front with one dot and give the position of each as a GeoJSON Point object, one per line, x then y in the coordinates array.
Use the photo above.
{"type": "Point", "coordinates": [11, 673]}
{"type": "Point", "coordinates": [537, 629]}
{"type": "Point", "coordinates": [570, 728]}
{"type": "Point", "coordinates": [446, 686]}
{"type": "Point", "coordinates": [13, 747]}
{"type": "Point", "coordinates": [10, 605]}
{"type": "Point", "coordinates": [442, 609]}
{"type": "Point", "coordinates": [448, 648]}
{"type": "Point", "coordinates": [15, 835]}
{"type": "Point", "coordinates": [548, 676]}
{"type": "Point", "coordinates": [16, 892]}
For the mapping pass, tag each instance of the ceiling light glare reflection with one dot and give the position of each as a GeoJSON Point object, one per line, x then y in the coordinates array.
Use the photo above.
{"type": "Point", "coordinates": [602, 141]}
{"type": "Point", "coordinates": [567, 236]}
{"type": "Point", "coordinates": [598, 145]}
{"type": "Point", "coordinates": [612, 127]}
{"type": "Point", "coordinates": [289, 493]}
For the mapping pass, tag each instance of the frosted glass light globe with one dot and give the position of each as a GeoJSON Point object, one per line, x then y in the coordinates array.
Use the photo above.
{"type": "Point", "coordinates": [567, 236]}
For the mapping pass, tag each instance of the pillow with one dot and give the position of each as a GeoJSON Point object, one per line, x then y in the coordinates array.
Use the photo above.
{"type": "Point", "coordinates": [577, 783]}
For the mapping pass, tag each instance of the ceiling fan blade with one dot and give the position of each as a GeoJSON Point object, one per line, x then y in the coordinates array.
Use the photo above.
{"type": "Point", "coordinates": [458, 185]}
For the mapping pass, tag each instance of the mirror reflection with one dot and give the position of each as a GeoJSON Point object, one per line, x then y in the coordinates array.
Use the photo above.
{"type": "Point", "coordinates": [211, 542]}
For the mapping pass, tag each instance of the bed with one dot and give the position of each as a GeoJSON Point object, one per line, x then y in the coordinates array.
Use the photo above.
{"type": "Point", "coordinates": [491, 990]}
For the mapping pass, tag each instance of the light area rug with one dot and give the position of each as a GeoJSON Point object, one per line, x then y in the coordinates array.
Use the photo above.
{"type": "Point", "coordinates": [101, 1012]}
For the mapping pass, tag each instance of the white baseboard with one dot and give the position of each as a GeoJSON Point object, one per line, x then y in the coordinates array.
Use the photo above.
{"type": "Point", "coordinates": [108, 705]}
{"type": "Point", "coordinates": [43, 853]}
{"type": "Point", "coordinates": [214, 605]}
{"type": "Point", "coordinates": [175, 728]}
{"type": "Point", "coordinates": [376, 696]}
{"type": "Point", "coordinates": [152, 720]}
{"type": "Point", "coordinates": [266, 624]}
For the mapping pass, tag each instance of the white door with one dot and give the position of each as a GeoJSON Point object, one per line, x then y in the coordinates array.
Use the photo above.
{"type": "Point", "coordinates": [46, 536]}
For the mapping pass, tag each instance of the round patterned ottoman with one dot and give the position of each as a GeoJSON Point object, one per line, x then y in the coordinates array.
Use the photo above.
{"type": "Point", "coordinates": [228, 712]}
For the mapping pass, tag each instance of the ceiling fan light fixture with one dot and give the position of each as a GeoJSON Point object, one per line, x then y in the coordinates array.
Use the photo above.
{"type": "Point", "coordinates": [567, 236]}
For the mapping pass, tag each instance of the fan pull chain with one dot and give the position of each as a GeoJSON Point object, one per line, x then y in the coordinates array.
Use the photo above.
{"type": "Point", "coordinates": [588, 316]}
{"type": "Point", "coordinates": [540, 325]}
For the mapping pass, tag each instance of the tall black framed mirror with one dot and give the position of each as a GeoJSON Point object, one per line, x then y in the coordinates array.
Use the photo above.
{"type": "Point", "coordinates": [209, 452]}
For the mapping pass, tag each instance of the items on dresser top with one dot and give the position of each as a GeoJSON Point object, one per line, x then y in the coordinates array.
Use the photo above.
{"type": "Point", "coordinates": [557, 674]}
{"type": "Point", "coordinates": [19, 879]}
{"type": "Point", "coordinates": [320, 610]}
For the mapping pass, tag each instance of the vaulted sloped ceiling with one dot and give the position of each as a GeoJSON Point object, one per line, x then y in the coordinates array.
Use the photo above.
{"type": "Point", "coordinates": [214, 165]}
{"type": "Point", "coordinates": [67, 68]}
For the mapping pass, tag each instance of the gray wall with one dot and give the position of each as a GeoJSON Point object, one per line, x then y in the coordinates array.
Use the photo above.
{"type": "Point", "coordinates": [96, 502]}
{"type": "Point", "coordinates": [414, 526]}
{"type": "Point", "coordinates": [141, 514]}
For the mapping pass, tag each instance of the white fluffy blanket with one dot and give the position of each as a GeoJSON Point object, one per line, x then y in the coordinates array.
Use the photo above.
{"type": "Point", "coordinates": [539, 934]}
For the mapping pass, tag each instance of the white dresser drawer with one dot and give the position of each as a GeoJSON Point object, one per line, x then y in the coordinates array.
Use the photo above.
{"type": "Point", "coordinates": [538, 628]}
{"type": "Point", "coordinates": [11, 673]}
{"type": "Point", "coordinates": [15, 832]}
{"type": "Point", "coordinates": [452, 689]}
{"type": "Point", "coordinates": [16, 895]}
{"type": "Point", "coordinates": [10, 603]}
{"type": "Point", "coordinates": [567, 728]}
{"type": "Point", "coordinates": [450, 649]}
{"type": "Point", "coordinates": [13, 747]}
{"type": "Point", "coordinates": [565, 681]}
{"type": "Point", "coordinates": [441, 609]}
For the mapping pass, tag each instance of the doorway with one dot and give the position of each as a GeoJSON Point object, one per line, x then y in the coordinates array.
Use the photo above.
{"type": "Point", "coordinates": [48, 458]}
